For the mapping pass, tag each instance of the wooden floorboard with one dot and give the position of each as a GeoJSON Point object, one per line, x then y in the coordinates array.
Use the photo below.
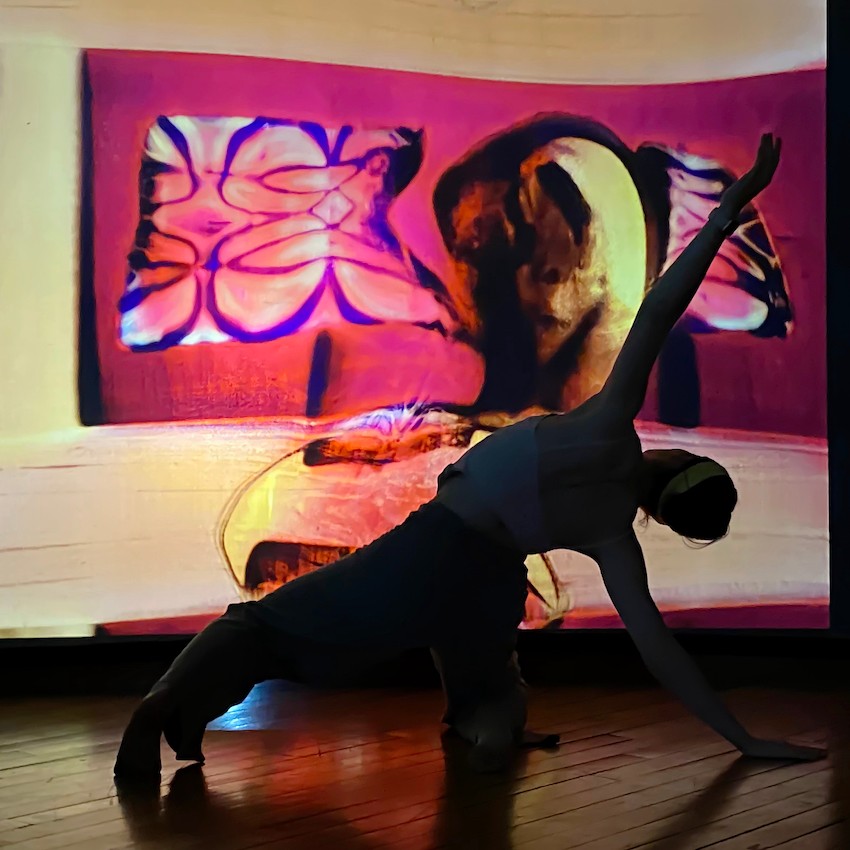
{"type": "Point", "coordinates": [294, 768]}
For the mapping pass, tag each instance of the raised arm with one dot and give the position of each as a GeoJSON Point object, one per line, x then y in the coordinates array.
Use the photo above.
{"type": "Point", "coordinates": [624, 574]}
{"type": "Point", "coordinates": [625, 388]}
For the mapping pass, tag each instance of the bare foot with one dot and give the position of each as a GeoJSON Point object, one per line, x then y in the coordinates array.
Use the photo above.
{"type": "Point", "coordinates": [540, 740]}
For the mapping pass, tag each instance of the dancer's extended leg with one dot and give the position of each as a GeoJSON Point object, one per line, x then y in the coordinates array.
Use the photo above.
{"type": "Point", "coordinates": [214, 672]}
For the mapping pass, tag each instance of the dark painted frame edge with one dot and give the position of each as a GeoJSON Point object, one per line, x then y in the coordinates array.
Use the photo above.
{"type": "Point", "coordinates": [89, 393]}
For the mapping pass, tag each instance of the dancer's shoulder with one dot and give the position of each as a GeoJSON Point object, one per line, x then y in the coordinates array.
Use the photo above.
{"type": "Point", "coordinates": [593, 422]}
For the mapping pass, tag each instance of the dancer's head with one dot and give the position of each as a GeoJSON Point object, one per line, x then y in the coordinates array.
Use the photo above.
{"type": "Point", "coordinates": [692, 495]}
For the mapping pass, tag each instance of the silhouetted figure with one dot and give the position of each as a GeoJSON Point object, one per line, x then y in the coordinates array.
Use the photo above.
{"type": "Point", "coordinates": [452, 576]}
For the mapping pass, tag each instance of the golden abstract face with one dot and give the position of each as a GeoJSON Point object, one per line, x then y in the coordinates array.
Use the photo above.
{"type": "Point", "coordinates": [590, 252]}
{"type": "Point", "coordinates": [552, 243]}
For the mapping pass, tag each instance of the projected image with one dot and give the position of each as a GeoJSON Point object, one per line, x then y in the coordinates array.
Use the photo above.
{"type": "Point", "coordinates": [255, 230]}
{"type": "Point", "coordinates": [311, 301]}
{"type": "Point", "coordinates": [259, 229]}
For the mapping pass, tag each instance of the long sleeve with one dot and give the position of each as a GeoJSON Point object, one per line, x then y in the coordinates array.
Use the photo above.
{"type": "Point", "coordinates": [624, 574]}
{"type": "Point", "coordinates": [625, 389]}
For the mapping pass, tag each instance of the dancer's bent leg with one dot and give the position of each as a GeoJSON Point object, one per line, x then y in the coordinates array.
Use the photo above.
{"type": "Point", "coordinates": [486, 697]}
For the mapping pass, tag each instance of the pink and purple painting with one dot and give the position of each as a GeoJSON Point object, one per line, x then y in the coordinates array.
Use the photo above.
{"type": "Point", "coordinates": [397, 264]}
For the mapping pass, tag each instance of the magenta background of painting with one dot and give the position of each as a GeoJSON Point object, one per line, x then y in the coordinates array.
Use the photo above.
{"type": "Point", "coordinates": [766, 385]}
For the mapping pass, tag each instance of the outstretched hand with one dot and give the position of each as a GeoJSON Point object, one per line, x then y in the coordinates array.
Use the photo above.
{"type": "Point", "coordinates": [743, 190]}
{"type": "Point", "coordinates": [779, 750]}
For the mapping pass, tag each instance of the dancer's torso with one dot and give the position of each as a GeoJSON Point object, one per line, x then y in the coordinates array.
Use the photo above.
{"type": "Point", "coordinates": [562, 481]}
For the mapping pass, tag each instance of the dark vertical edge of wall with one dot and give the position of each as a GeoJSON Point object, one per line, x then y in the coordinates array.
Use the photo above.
{"type": "Point", "coordinates": [838, 307]}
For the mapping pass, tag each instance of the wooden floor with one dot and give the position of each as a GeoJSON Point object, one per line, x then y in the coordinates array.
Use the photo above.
{"type": "Point", "coordinates": [292, 768]}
